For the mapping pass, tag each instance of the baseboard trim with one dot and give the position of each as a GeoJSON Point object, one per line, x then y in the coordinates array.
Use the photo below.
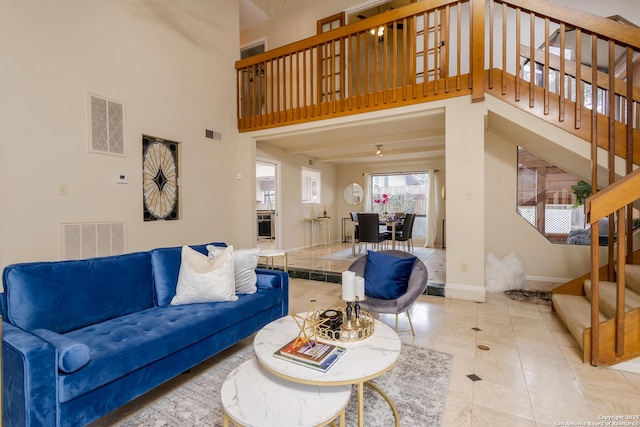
{"type": "Point", "coordinates": [465, 292]}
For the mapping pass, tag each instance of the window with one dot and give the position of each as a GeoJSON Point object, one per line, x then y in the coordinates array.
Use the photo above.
{"type": "Point", "coordinates": [546, 198]}
{"type": "Point", "coordinates": [406, 192]}
{"type": "Point", "coordinates": [311, 185]}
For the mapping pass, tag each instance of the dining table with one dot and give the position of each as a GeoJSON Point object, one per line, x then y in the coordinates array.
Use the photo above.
{"type": "Point", "coordinates": [388, 222]}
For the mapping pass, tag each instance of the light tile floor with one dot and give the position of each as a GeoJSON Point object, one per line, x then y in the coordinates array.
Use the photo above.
{"type": "Point", "coordinates": [532, 374]}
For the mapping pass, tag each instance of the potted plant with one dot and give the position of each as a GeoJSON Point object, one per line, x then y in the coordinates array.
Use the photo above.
{"type": "Point", "coordinates": [582, 190]}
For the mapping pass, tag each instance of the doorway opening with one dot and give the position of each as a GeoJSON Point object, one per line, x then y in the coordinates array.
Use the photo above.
{"type": "Point", "coordinates": [267, 226]}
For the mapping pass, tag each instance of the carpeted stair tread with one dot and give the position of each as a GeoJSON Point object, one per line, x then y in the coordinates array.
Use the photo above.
{"type": "Point", "coordinates": [632, 277]}
{"type": "Point", "coordinates": [608, 297]}
{"type": "Point", "coordinates": [575, 313]}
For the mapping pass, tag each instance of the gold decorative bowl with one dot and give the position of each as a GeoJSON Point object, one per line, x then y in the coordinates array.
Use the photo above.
{"type": "Point", "coordinates": [358, 329]}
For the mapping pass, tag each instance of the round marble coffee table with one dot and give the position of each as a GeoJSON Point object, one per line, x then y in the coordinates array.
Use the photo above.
{"type": "Point", "coordinates": [253, 397]}
{"type": "Point", "coordinates": [363, 360]}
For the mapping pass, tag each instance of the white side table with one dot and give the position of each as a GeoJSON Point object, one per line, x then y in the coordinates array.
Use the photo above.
{"type": "Point", "coordinates": [253, 397]}
{"type": "Point", "coordinates": [270, 254]}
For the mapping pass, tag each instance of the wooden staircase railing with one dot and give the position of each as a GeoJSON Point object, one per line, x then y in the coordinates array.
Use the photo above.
{"type": "Point", "coordinates": [572, 69]}
{"type": "Point", "coordinates": [620, 333]}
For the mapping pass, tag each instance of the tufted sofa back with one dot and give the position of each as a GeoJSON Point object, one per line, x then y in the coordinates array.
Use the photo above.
{"type": "Point", "coordinates": [62, 296]}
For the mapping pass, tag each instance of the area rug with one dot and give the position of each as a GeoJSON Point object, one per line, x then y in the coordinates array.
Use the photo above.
{"type": "Point", "coordinates": [531, 297]}
{"type": "Point", "coordinates": [346, 254]}
{"type": "Point", "coordinates": [418, 386]}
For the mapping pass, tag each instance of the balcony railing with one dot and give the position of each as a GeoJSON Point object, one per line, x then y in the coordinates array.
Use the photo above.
{"type": "Point", "coordinates": [414, 54]}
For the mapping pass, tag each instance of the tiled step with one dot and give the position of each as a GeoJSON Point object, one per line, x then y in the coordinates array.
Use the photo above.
{"type": "Point", "coordinates": [575, 313]}
{"type": "Point", "coordinates": [608, 297]}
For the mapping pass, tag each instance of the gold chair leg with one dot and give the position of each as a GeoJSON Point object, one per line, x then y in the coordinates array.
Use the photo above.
{"type": "Point", "coordinates": [413, 332]}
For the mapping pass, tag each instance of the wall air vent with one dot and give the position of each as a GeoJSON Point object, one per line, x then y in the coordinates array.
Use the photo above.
{"type": "Point", "coordinates": [106, 125]}
{"type": "Point", "coordinates": [88, 240]}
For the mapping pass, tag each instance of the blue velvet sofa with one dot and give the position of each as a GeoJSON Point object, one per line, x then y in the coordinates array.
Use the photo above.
{"type": "Point", "coordinates": [117, 309]}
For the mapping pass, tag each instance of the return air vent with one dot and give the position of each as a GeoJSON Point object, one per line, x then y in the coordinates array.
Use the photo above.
{"type": "Point", "coordinates": [88, 240]}
{"type": "Point", "coordinates": [106, 125]}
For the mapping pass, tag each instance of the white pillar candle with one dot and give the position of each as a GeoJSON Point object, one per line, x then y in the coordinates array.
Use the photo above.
{"type": "Point", "coordinates": [348, 285]}
{"type": "Point", "coordinates": [360, 287]}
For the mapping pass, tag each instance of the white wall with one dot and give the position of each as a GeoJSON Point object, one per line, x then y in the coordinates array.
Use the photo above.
{"type": "Point", "coordinates": [171, 64]}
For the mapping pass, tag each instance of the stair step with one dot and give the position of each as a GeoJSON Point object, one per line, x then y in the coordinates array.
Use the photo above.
{"type": "Point", "coordinates": [608, 297]}
{"type": "Point", "coordinates": [575, 313]}
{"type": "Point", "coordinates": [632, 277]}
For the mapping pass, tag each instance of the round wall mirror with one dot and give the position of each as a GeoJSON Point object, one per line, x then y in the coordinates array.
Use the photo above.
{"type": "Point", "coordinates": [353, 194]}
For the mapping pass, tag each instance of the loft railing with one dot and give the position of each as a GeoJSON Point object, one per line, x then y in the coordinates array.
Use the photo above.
{"type": "Point", "coordinates": [414, 54]}
{"type": "Point", "coordinates": [577, 71]}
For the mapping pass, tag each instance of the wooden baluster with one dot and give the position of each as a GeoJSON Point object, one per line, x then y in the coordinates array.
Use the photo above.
{"type": "Point", "coordinates": [358, 74]}
{"type": "Point", "coordinates": [611, 107]}
{"type": "Point", "coordinates": [438, 40]}
{"type": "Point", "coordinates": [425, 51]}
{"type": "Point", "coordinates": [394, 62]}
{"type": "Point", "coordinates": [444, 53]}
{"type": "Point", "coordinates": [413, 49]}
{"type": "Point", "coordinates": [504, 48]}
{"type": "Point", "coordinates": [620, 288]}
{"type": "Point", "coordinates": [491, 30]}
{"type": "Point", "coordinates": [562, 77]}
{"type": "Point", "coordinates": [296, 105]}
{"type": "Point", "coordinates": [595, 295]}
{"type": "Point", "coordinates": [594, 112]}
{"type": "Point", "coordinates": [518, 67]}
{"type": "Point", "coordinates": [629, 147]}
{"type": "Point", "coordinates": [403, 59]}
{"type": "Point", "coordinates": [385, 83]}
{"type": "Point", "coordinates": [532, 62]}
{"type": "Point", "coordinates": [332, 76]}
{"type": "Point", "coordinates": [305, 77]}
{"type": "Point", "coordinates": [546, 66]}
{"type": "Point", "coordinates": [376, 70]}
{"type": "Point", "coordinates": [579, 87]}
{"type": "Point", "coordinates": [366, 35]}
{"type": "Point", "coordinates": [350, 60]}
{"type": "Point", "coordinates": [459, 52]}
{"type": "Point", "coordinates": [343, 73]}
{"type": "Point", "coordinates": [290, 89]}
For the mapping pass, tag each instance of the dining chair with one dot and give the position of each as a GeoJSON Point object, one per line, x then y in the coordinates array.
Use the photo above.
{"type": "Point", "coordinates": [369, 230]}
{"type": "Point", "coordinates": [354, 218]}
{"type": "Point", "coordinates": [405, 233]}
{"type": "Point", "coordinates": [417, 285]}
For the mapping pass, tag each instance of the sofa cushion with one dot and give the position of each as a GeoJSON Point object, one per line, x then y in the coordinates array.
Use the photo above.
{"type": "Point", "coordinates": [387, 276]}
{"type": "Point", "coordinates": [245, 262]}
{"type": "Point", "coordinates": [166, 266]}
{"type": "Point", "coordinates": [72, 355]}
{"type": "Point", "coordinates": [66, 295]}
{"type": "Point", "coordinates": [204, 279]}
{"type": "Point", "coordinates": [120, 346]}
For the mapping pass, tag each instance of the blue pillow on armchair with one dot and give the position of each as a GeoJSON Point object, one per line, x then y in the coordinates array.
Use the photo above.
{"type": "Point", "coordinates": [387, 276]}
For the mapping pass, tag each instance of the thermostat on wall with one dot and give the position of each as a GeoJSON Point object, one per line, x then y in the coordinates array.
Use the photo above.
{"type": "Point", "coordinates": [121, 179]}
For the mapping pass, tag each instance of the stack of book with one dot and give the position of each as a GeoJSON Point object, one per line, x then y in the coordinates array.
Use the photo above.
{"type": "Point", "coordinates": [312, 354]}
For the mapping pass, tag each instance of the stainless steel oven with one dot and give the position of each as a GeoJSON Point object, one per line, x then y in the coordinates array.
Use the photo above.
{"type": "Point", "coordinates": [265, 224]}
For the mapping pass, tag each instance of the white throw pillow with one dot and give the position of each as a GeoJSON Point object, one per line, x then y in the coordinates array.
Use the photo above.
{"type": "Point", "coordinates": [203, 279]}
{"type": "Point", "coordinates": [245, 262]}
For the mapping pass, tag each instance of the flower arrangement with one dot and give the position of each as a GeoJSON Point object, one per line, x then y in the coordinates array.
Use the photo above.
{"type": "Point", "coordinates": [382, 201]}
